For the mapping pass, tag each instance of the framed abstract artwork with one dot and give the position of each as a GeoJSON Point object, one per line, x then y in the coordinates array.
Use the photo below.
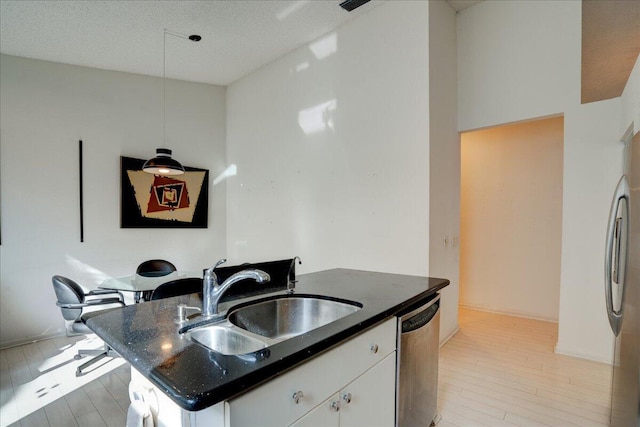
{"type": "Point", "coordinates": [154, 201]}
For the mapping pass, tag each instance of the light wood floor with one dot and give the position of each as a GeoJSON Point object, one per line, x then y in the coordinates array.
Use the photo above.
{"type": "Point", "coordinates": [38, 386]}
{"type": "Point", "coordinates": [496, 371]}
{"type": "Point", "coordinates": [501, 371]}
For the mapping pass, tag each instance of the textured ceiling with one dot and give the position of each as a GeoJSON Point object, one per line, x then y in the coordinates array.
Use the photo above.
{"type": "Point", "coordinates": [238, 36]}
{"type": "Point", "coordinates": [610, 47]}
{"type": "Point", "coordinates": [458, 5]}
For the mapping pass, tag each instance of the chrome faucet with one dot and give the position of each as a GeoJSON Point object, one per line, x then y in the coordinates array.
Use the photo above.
{"type": "Point", "coordinates": [212, 291]}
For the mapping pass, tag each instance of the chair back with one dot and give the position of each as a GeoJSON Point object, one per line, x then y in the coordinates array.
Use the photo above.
{"type": "Point", "coordinates": [68, 292]}
{"type": "Point", "coordinates": [186, 286]}
{"type": "Point", "coordinates": [155, 268]}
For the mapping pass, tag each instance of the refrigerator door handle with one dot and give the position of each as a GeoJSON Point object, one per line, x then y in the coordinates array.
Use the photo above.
{"type": "Point", "coordinates": [615, 264]}
{"type": "Point", "coordinates": [615, 272]}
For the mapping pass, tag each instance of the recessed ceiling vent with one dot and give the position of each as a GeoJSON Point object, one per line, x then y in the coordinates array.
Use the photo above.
{"type": "Point", "coordinates": [349, 5]}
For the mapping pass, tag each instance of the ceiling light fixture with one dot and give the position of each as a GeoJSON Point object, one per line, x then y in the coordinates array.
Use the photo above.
{"type": "Point", "coordinates": [162, 163]}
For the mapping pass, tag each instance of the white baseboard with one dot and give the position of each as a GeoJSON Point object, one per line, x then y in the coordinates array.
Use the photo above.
{"type": "Point", "coordinates": [23, 341]}
{"type": "Point", "coordinates": [582, 355]}
{"type": "Point", "coordinates": [448, 337]}
{"type": "Point", "coordinates": [558, 349]}
{"type": "Point", "coordinates": [509, 313]}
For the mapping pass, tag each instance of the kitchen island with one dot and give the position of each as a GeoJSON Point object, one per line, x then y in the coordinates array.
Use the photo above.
{"type": "Point", "coordinates": [194, 377]}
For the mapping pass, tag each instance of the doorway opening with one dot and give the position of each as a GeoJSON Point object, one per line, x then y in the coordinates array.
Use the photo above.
{"type": "Point", "coordinates": [511, 218]}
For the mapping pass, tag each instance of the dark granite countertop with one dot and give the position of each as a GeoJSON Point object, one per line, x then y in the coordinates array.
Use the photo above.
{"type": "Point", "coordinates": [195, 378]}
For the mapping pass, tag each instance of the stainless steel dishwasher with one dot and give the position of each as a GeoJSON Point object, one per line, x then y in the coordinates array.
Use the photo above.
{"type": "Point", "coordinates": [417, 359]}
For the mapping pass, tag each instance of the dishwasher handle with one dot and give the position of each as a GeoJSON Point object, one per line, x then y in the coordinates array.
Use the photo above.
{"type": "Point", "coordinates": [420, 319]}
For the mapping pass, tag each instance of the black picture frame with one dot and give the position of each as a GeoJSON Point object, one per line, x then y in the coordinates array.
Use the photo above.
{"type": "Point", "coordinates": [137, 188]}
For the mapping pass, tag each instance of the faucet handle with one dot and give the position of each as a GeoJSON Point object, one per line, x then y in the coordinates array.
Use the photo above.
{"type": "Point", "coordinates": [222, 261]}
{"type": "Point", "coordinates": [292, 266]}
{"type": "Point", "coordinates": [209, 271]}
{"type": "Point", "coordinates": [291, 281]}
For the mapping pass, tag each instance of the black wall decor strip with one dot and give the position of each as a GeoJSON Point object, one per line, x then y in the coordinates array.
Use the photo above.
{"type": "Point", "coordinates": [81, 195]}
{"type": "Point", "coordinates": [350, 5]}
{"type": "Point", "coordinates": [0, 195]}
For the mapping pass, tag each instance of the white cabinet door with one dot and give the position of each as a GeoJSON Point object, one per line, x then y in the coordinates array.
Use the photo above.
{"type": "Point", "coordinates": [367, 401]}
{"type": "Point", "coordinates": [370, 400]}
{"type": "Point", "coordinates": [325, 415]}
{"type": "Point", "coordinates": [273, 404]}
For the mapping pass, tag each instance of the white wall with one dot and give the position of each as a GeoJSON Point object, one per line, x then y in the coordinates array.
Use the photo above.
{"type": "Point", "coordinates": [521, 60]}
{"type": "Point", "coordinates": [592, 168]}
{"type": "Point", "coordinates": [444, 166]}
{"type": "Point", "coordinates": [517, 60]}
{"type": "Point", "coordinates": [631, 101]}
{"type": "Point", "coordinates": [45, 108]}
{"type": "Point", "coordinates": [511, 219]}
{"type": "Point", "coordinates": [331, 144]}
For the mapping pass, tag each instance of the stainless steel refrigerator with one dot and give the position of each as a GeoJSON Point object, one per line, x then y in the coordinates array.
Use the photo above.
{"type": "Point", "coordinates": [622, 290]}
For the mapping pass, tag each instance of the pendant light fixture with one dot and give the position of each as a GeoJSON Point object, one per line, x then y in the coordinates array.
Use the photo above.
{"type": "Point", "coordinates": [162, 163]}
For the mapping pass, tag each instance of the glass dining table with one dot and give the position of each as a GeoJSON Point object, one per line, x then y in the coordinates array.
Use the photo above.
{"type": "Point", "coordinates": [143, 286]}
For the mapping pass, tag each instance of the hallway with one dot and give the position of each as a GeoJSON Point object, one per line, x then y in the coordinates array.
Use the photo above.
{"type": "Point", "coordinates": [501, 370]}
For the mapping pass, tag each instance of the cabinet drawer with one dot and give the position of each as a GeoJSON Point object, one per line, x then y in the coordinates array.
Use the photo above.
{"type": "Point", "coordinates": [365, 350]}
{"type": "Point", "coordinates": [273, 403]}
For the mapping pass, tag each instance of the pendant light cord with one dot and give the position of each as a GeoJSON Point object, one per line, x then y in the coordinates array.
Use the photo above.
{"type": "Point", "coordinates": [164, 90]}
{"type": "Point", "coordinates": [162, 163]}
{"type": "Point", "coordinates": [193, 38]}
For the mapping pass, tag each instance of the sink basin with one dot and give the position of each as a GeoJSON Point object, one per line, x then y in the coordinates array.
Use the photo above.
{"type": "Point", "coordinates": [287, 317]}
{"type": "Point", "coordinates": [225, 340]}
{"type": "Point", "coordinates": [250, 329]}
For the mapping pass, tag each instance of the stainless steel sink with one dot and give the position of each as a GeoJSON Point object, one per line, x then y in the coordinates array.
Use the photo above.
{"type": "Point", "coordinates": [252, 328]}
{"type": "Point", "coordinates": [223, 339]}
{"type": "Point", "coordinates": [287, 317]}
